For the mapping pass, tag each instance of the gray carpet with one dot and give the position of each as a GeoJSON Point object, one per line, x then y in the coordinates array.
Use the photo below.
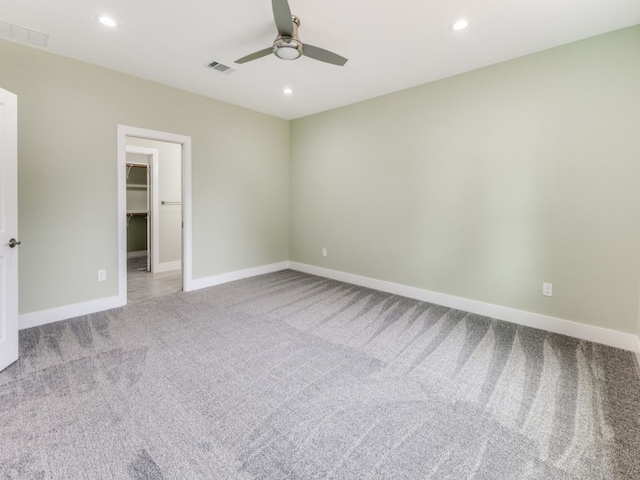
{"type": "Point", "coordinates": [291, 376]}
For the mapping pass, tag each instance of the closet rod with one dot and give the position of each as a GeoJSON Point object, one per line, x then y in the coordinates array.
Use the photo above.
{"type": "Point", "coordinates": [141, 165]}
{"type": "Point", "coordinates": [171, 203]}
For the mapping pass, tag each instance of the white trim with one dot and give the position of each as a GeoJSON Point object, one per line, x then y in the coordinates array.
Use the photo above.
{"type": "Point", "coordinates": [613, 338]}
{"type": "Point", "coordinates": [185, 141]}
{"type": "Point", "coordinates": [625, 341]}
{"type": "Point", "coordinates": [214, 280]}
{"type": "Point", "coordinates": [187, 266]}
{"type": "Point", "coordinates": [42, 317]}
{"type": "Point", "coordinates": [167, 266]}
{"type": "Point", "coordinates": [34, 319]}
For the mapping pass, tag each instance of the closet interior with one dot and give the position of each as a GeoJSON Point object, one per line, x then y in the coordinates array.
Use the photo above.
{"type": "Point", "coordinates": [138, 245]}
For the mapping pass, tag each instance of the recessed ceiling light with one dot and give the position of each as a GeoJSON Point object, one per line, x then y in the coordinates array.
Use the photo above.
{"type": "Point", "coordinates": [108, 21]}
{"type": "Point", "coordinates": [287, 91]}
{"type": "Point", "coordinates": [460, 24]}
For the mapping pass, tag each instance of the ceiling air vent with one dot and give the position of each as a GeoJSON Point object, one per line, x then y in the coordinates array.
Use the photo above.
{"type": "Point", "coordinates": [23, 34]}
{"type": "Point", "coordinates": [219, 67]}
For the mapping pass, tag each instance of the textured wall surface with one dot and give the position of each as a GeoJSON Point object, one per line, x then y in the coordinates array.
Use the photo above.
{"type": "Point", "coordinates": [482, 185]}
{"type": "Point", "coordinates": [487, 184]}
{"type": "Point", "coordinates": [68, 114]}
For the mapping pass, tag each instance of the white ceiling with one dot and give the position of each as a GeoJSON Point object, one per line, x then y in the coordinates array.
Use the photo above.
{"type": "Point", "coordinates": [391, 45]}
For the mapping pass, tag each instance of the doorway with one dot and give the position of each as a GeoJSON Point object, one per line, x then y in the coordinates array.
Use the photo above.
{"type": "Point", "coordinates": [142, 212]}
{"type": "Point", "coordinates": [154, 213]}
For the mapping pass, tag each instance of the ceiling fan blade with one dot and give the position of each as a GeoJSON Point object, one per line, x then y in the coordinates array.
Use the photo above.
{"type": "Point", "coordinates": [255, 55]}
{"type": "Point", "coordinates": [323, 55]}
{"type": "Point", "coordinates": [282, 16]}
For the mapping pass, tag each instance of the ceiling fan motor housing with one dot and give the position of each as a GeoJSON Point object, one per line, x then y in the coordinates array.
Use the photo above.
{"type": "Point", "coordinates": [289, 48]}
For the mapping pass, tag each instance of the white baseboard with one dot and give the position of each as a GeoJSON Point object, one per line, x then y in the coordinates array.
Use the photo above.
{"type": "Point", "coordinates": [41, 317]}
{"type": "Point", "coordinates": [613, 338]}
{"type": "Point", "coordinates": [625, 341]}
{"type": "Point", "coordinates": [198, 283]}
{"type": "Point", "coordinates": [167, 266]}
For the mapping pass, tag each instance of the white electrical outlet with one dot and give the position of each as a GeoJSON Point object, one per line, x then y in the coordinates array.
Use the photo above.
{"type": "Point", "coordinates": [324, 252]}
{"type": "Point", "coordinates": [102, 275]}
{"type": "Point", "coordinates": [547, 289]}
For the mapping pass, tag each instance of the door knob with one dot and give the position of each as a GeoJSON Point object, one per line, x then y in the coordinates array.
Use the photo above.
{"type": "Point", "coordinates": [13, 242]}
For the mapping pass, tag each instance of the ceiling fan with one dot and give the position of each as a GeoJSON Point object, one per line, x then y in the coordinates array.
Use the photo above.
{"type": "Point", "coordinates": [287, 45]}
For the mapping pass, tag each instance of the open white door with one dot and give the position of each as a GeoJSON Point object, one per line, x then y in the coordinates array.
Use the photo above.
{"type": "Point", "coordinates": [8, 228]}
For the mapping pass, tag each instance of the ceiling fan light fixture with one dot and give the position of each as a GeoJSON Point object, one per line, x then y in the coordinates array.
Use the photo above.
{"type": "Point", "coordinates": [287, 45]}
{"type": "Point", "coordinates": [287, 51]}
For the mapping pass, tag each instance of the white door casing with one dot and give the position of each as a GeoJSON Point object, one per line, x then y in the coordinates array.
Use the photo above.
{"type": "Point", "coordinates": [125, 131]}
{"type": "Point", "coordinates": [8, 228]}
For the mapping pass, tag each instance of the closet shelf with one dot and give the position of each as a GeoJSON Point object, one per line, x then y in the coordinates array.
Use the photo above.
{"type": "Point", "coordinates": [136, 213]}
{"type": "Point", "coordinates": [136, 185]}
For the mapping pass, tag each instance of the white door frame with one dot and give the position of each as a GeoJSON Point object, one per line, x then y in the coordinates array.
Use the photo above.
{"type": "Point", "coordinates": [125, 131]}
{"type": "Point", "coordinates": [8, 228]}
{"type": "Point", "coordinates": [153, 241]}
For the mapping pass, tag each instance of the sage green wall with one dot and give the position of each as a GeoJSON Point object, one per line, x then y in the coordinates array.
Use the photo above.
{"type": "Point", "coordinates": [487, 184]}
{"type": "Point", "coordinates": [68, 115]}
{"type": "Point", "coordinates": [137, 234]}
{"type": "Point", "coordinates": [483, 185]}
